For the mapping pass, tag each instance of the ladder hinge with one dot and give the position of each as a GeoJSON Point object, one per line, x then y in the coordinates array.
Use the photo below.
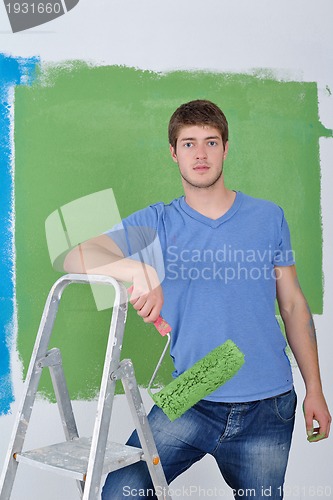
{"type": "Point", "coordinates": [124, 370]}
{"type": "Point", "coordinates": [51, 358]}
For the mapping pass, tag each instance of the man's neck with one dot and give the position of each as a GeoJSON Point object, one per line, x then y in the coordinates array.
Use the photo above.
{"type": "Point", "coordinates": [211, 202]}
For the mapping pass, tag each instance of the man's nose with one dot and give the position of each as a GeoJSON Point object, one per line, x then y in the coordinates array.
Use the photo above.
{"type": "Point", "coordinates": [201, 151]}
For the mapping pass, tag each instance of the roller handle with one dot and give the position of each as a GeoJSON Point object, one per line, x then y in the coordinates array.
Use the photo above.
{"type": "Point", "coordinates": [160, 324]}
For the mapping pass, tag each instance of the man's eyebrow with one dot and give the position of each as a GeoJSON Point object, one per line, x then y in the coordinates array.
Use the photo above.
{"type": "Point", "coordinates": [205, 138]}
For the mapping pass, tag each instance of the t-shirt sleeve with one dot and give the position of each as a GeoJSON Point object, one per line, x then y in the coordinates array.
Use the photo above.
{"type": "Point", "coordinates": [284, 254]}
{"type": "Point", "coordinates": [138, 239]}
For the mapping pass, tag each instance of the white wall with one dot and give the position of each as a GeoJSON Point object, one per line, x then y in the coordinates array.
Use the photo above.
{"type": "Point", "coordinates": [292, 37]}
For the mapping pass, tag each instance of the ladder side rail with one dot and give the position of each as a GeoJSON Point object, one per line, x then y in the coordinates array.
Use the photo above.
{"type": "Point", "coordinates": [143, 429]}
{"type": "Point", "coordinates": [106, 396]}
{"type": "Point", "coordinates": [30, 388]}
{"type": "Point", "coordinates": [63, 400]}
{"type": "Point", "coordinates": [53, 361]}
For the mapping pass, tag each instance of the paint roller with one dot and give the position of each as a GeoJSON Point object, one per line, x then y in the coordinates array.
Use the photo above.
{"type": "Point", "coordinates": [203, 378]}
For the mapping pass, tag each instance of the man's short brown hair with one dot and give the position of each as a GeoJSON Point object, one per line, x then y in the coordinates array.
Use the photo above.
{"type": "Point", "coordinates": [198, 112]}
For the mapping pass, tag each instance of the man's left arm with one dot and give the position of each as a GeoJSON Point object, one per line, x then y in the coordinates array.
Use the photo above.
{"type": "Point", "coordinates": [301, 336]}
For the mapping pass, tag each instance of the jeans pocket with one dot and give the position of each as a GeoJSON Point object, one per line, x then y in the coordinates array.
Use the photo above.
{"type": "Point", "coordinates": [285, 405]}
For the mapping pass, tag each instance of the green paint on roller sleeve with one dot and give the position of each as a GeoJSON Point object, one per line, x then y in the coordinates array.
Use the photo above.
{"type": "Point", "coordinates": [316, 437]}
{"type": "Point", "coordinates": [205, 376]}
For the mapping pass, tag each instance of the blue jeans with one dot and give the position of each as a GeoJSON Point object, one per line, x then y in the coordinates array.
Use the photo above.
{"type": "Point", "coordinates": [249, 441]}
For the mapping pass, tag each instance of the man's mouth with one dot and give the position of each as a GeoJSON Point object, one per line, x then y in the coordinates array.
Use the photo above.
{"type": "Point", "coordinates": [201, 168]}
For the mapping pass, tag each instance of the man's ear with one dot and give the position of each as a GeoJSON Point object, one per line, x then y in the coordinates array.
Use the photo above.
{"type": "Point", "coordinates": [173, 154]}
{"type": "Point", "coordinates": [226, 149]}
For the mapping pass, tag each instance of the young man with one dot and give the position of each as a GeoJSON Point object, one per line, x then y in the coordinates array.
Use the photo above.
{"type": "Point", "coordinates": [227, 257]}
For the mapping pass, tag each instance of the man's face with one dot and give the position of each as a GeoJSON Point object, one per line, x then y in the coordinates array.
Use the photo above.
{"type": "Point", "coordinates": [199, 154]}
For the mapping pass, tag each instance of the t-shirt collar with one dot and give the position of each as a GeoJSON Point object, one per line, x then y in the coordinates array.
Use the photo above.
{"type": "Point", "coordinates": [208, 221]}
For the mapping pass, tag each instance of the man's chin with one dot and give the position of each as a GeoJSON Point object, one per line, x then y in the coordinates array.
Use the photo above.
{"type": "Point", "coordinates": [201, 184]}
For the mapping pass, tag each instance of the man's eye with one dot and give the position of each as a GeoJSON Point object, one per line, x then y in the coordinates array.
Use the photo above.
{"type": "Point", "coordinates": [188, 144]}
{"type": "Point", "coordinates": [212, 143]}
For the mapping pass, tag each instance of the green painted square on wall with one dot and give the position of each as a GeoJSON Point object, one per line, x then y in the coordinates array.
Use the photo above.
{"type": "Point", "coordinates": [81, 129]}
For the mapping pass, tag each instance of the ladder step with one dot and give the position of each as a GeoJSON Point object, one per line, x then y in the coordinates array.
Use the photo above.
{"type": "Point", "coordinates": [70, 458]}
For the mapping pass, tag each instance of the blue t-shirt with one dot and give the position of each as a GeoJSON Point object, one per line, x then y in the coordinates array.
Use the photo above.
{"type": "Point", "coordinates": [219, 283]}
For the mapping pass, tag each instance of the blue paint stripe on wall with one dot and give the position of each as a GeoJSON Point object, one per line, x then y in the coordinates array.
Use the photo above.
{"type": "Point", "coordinates": [13, 71]}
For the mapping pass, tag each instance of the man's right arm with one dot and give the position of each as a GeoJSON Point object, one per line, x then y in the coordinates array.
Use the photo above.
{"type": "Point", "coordinates": [101, 255]}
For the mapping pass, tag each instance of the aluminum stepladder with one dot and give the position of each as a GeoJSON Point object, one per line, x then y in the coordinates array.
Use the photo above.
{"type": "Point", "coordinates": [83, 459]}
